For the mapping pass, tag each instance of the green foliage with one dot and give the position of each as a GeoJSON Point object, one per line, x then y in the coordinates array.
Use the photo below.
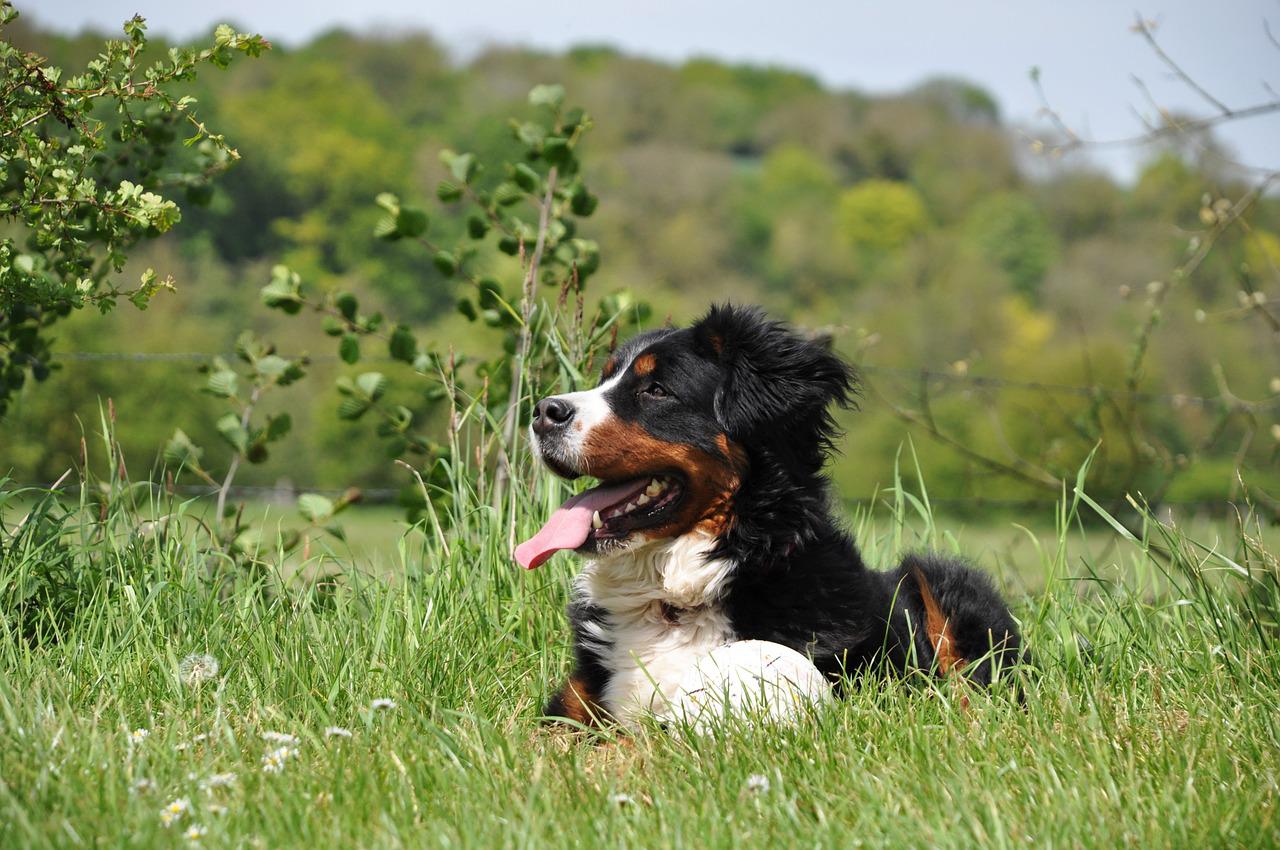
{"type": "Point", "coordinates": [84, 160]}
{"type": "Point", "coordinates": [879, 216]}
{"type": "Point", "coordinates": [526, 207]}
{"type": "Point", "coordinates": [1011, 233]}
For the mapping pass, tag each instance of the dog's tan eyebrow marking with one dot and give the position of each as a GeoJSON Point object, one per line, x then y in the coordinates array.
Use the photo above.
{"type": "Point", "coordinates": [645, 364]}
{"type": "Point", "coordinates": [609, 366]}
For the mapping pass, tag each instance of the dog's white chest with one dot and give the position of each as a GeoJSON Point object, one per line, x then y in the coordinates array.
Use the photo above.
{"type": "Point", "coordinates": [662, 616]}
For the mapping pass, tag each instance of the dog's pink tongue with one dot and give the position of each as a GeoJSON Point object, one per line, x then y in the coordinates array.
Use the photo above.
{"type": "Point", "coordinates": [570, 525]}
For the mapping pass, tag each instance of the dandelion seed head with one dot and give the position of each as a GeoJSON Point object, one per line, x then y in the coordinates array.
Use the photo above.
{"type": "Point", "coordinates": [197, 668]}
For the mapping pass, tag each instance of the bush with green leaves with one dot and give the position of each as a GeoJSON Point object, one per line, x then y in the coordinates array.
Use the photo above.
{"type": "Point", "coordinates": [88, 165]}
{"type": "Point", "coordinates": [257, 371]}
{"type": "Point", "coordinates": [525, 209]}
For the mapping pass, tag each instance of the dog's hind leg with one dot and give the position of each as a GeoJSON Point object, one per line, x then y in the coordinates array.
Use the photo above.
{"type": "Point", "coordinates": [966, 626]}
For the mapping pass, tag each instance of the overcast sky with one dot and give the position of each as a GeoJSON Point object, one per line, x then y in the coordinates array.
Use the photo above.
{"type": "Point", "coordinates": [1084, 48]}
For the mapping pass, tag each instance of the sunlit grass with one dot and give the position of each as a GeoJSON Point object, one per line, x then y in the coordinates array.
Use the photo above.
{"type": "Point", "coordinates": [1152, 719]}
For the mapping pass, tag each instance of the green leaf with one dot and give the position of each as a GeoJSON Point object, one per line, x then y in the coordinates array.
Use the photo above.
{"type": "Point", "coordinates": [333, 326]}
{"type": "Point", "coordinates": [507, 194]}
{"type": "Point", "coordinates": [349, 348]}
{"type": "Point", "coordinates": [180, 451]}
{"type": "Point", "coordinates": [525, 177]}
{"type": "Point", "coordinates": [448, 192]}
{"type": "Point", "coordinates": [411, 222]}
{"type": "Point", "coordinates": [352, 407]}
{"type": "Point", "coordinates": [347, 305]}
{"type": "Point", "coordinates": [582, 202]}
{"type": "Point", "coordinates": [490, 295]}
{"type": "Point", "coordinates": [278, 426]}
{"type": "Point", "coordinates": [223, 383]}
{"type": "Point", "coordinates": [372, 384]}
{"type": "Point", "coordinates": [233, 432]}
{"type": "Point", "coordinates": [284, 292]}
{"type": "Point", "coordinates": [314, 507]}
{"type": "Point", "coordinates": [385, 228]}
{"type": "Point", "coordinates": [547, 95]}
{"type": "Point", "coordinates": [462, 166]}
{"type": "Point", "coordinates": [402, 345]}
{"type": "Point", "coordinates": [446, 262]}
{"type": "Point", "coordinates": [477, 226]}
{"type": "Point", "coordinates": [466, 308]}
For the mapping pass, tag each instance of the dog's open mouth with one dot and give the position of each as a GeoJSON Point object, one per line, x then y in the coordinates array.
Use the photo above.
{"type": "Point", "coordinates": [607, 513]}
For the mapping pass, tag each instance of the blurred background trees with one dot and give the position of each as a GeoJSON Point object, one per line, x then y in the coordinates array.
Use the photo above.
{"type": "Point", "coordinates": [910, 228]}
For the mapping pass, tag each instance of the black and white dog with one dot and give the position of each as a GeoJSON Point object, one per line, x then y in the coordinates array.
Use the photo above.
{"type": "Point", "coordinates": [712, 524]}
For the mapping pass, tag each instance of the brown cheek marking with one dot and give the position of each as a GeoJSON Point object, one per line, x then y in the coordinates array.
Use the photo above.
{"type": "Point", "coordinates": [579, 704]}
{"type": "Point", "coordinates": [939, 630]}
{"type": "Point", "coordinates": [615, 451]}
{"type": "Point", "coordinates": [645, 364]}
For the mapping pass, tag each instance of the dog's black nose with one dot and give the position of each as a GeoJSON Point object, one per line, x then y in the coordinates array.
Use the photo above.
{"type": "Point", "coordinates": [550, 414]}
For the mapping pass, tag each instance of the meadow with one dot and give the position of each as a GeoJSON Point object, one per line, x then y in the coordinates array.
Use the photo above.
{"type": "Point", "coordinates": [386, 691]}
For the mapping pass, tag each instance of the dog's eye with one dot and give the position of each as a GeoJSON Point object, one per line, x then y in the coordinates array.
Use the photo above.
{"type": "Point", "coordinates": [655, 390]}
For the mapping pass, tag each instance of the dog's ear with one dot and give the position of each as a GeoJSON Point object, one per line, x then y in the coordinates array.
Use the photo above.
{"type": "Point", "coordinates": [774, 377]}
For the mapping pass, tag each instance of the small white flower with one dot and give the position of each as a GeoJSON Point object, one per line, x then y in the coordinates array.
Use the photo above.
{"type": "Point", "coordinates": [143, 785]}
{"type": "Point", "coordinates": [174, 811]}
{"type": "Point", "coordinates": [203, 736]}
{"type": "Point", "coordinates": [382, 703]}
{"type": "Point", "coordinates": [336, 732]}
{"type": "Point", "coordinates": [218, 780]}
{"type": "Point", "coordinates": [215, 809]}
{"type": "Point", "coordinates": [273, 762]}
{"type": "Point", "coordinates": [280, 738]}
{"type": "Point", "coordinates": [197, 668]}
{"type": "Point", "coordinates": [758, 783]}
{"type": "Point", "coordinates": [621, 799]}
{"type": "Point", "coordinates": [194, 832]}
{"type": "Point", "coordinates": [137, 736]}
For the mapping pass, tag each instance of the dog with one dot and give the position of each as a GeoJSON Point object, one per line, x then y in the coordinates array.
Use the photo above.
{"type": "Point", "coordinates": [712, 524]}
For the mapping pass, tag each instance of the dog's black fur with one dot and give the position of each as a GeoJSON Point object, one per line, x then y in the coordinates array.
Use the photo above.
{"type": "Point", "coordinates": [799, 579]}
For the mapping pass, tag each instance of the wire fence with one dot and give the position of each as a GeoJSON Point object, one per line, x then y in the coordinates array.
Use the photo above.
{"type": "Point", "coordinates": [951, 377]}
{"type": "Point", "coordinates": [389, 495]}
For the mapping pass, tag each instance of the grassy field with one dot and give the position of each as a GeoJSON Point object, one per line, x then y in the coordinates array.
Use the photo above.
{"type": "Point", "coordinates": [1151, 720]}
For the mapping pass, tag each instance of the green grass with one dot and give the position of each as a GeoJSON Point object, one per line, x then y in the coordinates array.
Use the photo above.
{"type": "Point", "coordinates": [1153, 719]}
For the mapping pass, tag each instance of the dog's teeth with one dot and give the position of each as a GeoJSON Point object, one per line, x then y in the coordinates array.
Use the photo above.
{"type": "Point", "coordinates": [642, 500]}
{"type": "Point", "coordinates": [596, 522]}
{"type": "Point", "coordinates": [654, 488]}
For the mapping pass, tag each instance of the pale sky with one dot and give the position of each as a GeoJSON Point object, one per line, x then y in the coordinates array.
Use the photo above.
{"type": "Point", "coordinates": [1084, 48]}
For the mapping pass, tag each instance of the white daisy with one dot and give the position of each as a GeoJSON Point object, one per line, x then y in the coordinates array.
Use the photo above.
{"type": "Point", "coordinates": [137, 736]}
{"type": "Point", "coordinates": [336, 732]}
{"type": "Point", "coordinates": [273, 762]}
{"type": "Point", "coordinates": [174, 811]}
{"type": "Point", "coordinates": [621, 799]}
{"type": "Point", "coordinates": [197, 668]}
{"type": "Point", "coordinates": [218, 780]}
{"type": "Point", "coordinates": [280, 738]}
{"type": "Point", "coordinates": [142, 785]}
{"type": "Point", "coordinates": [758, 783]}
{"type": "Point", "coordinates": [382, 703]}
{"type": "Point", "coordinates": [194, 832]}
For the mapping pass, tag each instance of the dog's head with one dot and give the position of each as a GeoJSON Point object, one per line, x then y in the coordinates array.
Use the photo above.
{"type": "Point", "coordinates": [671, 428]}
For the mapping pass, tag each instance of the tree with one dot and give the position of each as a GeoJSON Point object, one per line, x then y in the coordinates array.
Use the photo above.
{"type": "Point", "coordinates": [84, 160]}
